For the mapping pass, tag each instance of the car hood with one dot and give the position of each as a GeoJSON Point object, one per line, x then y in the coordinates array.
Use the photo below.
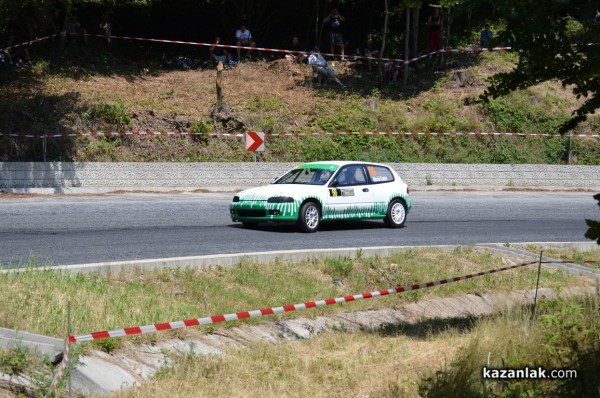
{"type": "Point", "coordinates": [296, 191]}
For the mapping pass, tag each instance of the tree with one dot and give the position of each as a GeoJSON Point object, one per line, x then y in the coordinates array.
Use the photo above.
{"type": "Point", "coordinates": [593, 231]}
{"type": "Point", "coordinates": [551, 37]}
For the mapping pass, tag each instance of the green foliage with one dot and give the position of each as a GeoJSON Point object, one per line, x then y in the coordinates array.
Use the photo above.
{"type": "Point", "coordinates": [593, 231]}
{"type": "Point", "coordinates": [442, 115]}
{"type": "Point", "coordinates": [14, 361]}
{"type": "Point", "coordinates": [103, 148]}
{"type": "Point", "coordinates": [105, 114]}
{"type": "Point", "coordinates": [340, 267]}
{"type": "Point", "coordinates": [108, 345]}
{"type": "Point", "coordinates": [259, 103]}
{"type": "Point", "coordinates": [543, 40]}
{"type": "Point", "coordinates": [203, 125]}
{"type": "Point", "coordinates": [565, 336]}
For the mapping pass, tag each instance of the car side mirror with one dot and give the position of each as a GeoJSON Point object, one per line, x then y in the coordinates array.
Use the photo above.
{"type": "Point", "coordinates": [334, 183]}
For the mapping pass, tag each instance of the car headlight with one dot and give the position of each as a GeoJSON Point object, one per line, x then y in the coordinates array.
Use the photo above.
{"type": "Point", "coordinates": [281, 199]}
{"type": "Point", "coordinates": [236, 198]}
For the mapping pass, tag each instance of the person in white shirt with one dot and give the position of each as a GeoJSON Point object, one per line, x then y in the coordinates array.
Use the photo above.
{"type": "Point", "coordinates": [317, 61]}
{"type": "Point", "coordinates": [243, 37]}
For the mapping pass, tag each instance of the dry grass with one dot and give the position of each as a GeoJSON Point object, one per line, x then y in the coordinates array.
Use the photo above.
{"type": "Point", "coordinates": [333, 364]}
{"type": "Point", "coordinates": [38, 299]}
{"type": "Point", "coordinates": [388, 363]}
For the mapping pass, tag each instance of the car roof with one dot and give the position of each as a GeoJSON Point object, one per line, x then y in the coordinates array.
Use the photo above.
{"type": "Point", "coordinates": [340, 163]}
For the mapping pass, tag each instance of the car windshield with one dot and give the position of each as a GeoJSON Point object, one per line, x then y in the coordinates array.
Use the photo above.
{"type": "Point", "coordinates": [305, 176]}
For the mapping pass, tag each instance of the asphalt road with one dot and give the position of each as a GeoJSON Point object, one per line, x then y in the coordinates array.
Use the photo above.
{"type": "Point", "coordinates": [86, 229]}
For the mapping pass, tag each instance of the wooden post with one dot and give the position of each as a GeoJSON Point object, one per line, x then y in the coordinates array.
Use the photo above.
{"type": "Point", "coordinates": [385, 31]}
{"type": "Point", "coordinates": [406, 47]}
{"type": "Point", "coordinates": [219, 81]}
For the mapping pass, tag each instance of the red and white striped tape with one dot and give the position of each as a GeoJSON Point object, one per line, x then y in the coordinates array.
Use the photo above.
{"type": "Point", "coordinates": [29, 42]}
{"type": "Point", "coordinates": [475, 49]}
{"type": "Point", "coordinates": [60, 371]}
{"type": "Point", "coordinates": [275, 310]}
{"type": "Point", "coordinates": [298, 134]}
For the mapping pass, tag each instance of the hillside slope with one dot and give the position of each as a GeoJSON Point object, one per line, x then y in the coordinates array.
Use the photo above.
{"type": "Point", "coordinates": [129, 88]}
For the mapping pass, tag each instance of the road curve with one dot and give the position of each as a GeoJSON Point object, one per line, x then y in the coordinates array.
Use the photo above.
{"type": "Point", "coordinates": [65, 230]}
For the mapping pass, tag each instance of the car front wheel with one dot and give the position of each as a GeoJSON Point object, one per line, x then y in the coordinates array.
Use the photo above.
{"type": "Point", "coordinates": [309, 217]}
{"type": "Point", "coordinates": [396, 214]}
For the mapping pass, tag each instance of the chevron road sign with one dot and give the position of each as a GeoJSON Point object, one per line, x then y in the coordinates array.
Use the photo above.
{"type": "Point", "coordinates": [255, 141]}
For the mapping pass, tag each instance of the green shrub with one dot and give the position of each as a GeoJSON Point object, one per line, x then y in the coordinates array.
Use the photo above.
{"type": "Point", "coordinates": [265, 104]}
{"type": "Point", "coordinates": [338, 267]}
{"type": "Point", "coordinates": [14, 361]}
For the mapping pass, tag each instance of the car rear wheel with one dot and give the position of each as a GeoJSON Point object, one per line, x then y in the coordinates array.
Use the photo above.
{"type": "Point", "coordinates": [396, 214]}
{"type": "Point", "coordinates": [309, 217]}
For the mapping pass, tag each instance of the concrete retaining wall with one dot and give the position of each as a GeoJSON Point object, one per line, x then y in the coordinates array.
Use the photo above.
{"type": "Point", "coordinates": [63, 177]}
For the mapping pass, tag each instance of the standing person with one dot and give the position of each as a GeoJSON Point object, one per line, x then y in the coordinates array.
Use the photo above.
{"type": "Point", "coordinates": [317, 61]}
{"type": "Point", "coordinates": [334, 19]}
{"type": "Point", "coordinates": [75, 30]}
{"type": "Point", "coordinates": [435, 30]}
{"type": "Point", "coordinates": [243, 37]}
{"type": "Point", "coordinates": [597, 17]}
{"type": "Point", "coordinates": [486, 36]}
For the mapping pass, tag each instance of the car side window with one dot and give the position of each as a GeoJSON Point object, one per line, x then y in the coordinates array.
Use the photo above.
{"type": "Point", "coordinates": [351, 175]}
{"type": "Point", "coordinates": [379, 174]}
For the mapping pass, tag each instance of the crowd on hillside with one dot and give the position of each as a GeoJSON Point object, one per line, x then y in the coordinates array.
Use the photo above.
{"type": "Point", "coordinates": [333, 23]}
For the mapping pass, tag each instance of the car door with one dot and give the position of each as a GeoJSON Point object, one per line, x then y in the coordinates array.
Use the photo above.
{"type": "Point", "coordinates": [349, 194]}
{"type": "Point", "coordinates": [383, 187]}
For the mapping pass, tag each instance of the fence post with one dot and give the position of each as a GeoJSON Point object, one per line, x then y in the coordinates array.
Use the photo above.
{"type": "Point", "coordinates": [219, 106]}
{"type": "Point", "coordinates": [69, 332]}
{"type": "Point", "coordinates": [537, 286]}
{"type": "Point", "coordinates": [44, 144]}
{"type": "Point", "coordinates": [570, 149]}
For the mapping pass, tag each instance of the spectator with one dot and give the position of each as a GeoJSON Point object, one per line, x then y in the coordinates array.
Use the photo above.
{"type": "Point", "coordinates": [392, 69]}
{"type": "Point", "coordinates": [5, 57]}
{"type": "Point", "coordinates": [75, 30]}
{"type": "Point", "coordinates": [18, 57]}
{"type": "Point", "coordinates": [319, 63]}
{"type": "Point", "coordinates": [105, 26]}
{"type": "Point", "coordinates": [369, 50]}
{"type": "Point", "coordinates": [435, 30]}
{"type": "Point", "coordinates": [334, 19]}
{"type": "Point", "coordinates": [243, 38]}
{"type": "Point", "coordinates": [220, 54]}
{"type": "Point", "coordinates": [486, 36]}
{"type": "Point", "coordinates": [298, 55]}
{"type": "Point", "coordinates": [597, 17]}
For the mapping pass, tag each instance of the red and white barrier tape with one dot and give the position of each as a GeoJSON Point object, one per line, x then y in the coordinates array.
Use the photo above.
{"type": "Point", "coordinates": [29, 42]}
{"type": "Point", "coordinates": [274, 310]}
{"type": "Point", "coordinates": [350, 57]}
{"type": "Point", "coordinates": [60, 371]}
{"type": "Point", "coordinates": [298, 134]}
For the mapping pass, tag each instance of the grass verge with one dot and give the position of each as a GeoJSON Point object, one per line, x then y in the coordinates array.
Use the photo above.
{"type": "Point", "coordinates": [37, 300]}
{"type": "Point", "coordinates": [386, 364]}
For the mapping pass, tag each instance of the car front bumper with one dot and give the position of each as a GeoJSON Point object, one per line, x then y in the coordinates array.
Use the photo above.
{"type": "Point", "coordinates": [261, 210]}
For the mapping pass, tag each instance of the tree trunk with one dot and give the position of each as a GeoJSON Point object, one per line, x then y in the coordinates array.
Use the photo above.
{"type": "Point", "coordinates": [385, 31]}
{"type": "Point", "coordinates": [219, 81]}
{"type": "Point", "coordinates": [406, 47]}
{"type": "Point", "coordinates": [415, 28]}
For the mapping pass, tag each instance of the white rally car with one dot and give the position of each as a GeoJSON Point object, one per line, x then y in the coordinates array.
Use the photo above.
{"type": "Point", "coordinates": [322, 191]}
